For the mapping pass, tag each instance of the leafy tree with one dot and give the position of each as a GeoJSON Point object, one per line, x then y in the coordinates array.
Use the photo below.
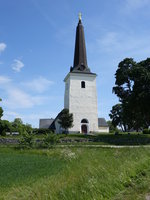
{"type": "Point", "coordinates": [17, 122]}
{"type": "Point", "coordinates": [132, 86]}
{"type": "Point", "coordinates": [28, 128]}
{"type": "Point", "coordinates": [142, 91]}
{"type": "Point", "coordinates": [112, 128]}
{"type": "Point", "coordinates": [1, 111]}
{"type": "Point", "coordinates": [18, 126]}
{"type": "Point", "coordinates": [65, 119]}
{"type": "Point", "coordinates": [5, 126]}
{"type": "Point", "coordinates": [116, 114]}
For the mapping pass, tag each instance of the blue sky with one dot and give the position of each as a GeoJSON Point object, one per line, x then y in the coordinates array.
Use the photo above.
{"type": "Point", "coordinates": [37, 47]}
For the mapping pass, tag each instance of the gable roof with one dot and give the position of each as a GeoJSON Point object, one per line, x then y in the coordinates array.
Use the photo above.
{"type": "Point", "coordinates": [52, 126]}
{"type": "Point", "coordinates": [102, 122]}
{"type": "Point", "coordinates": [45, 123]}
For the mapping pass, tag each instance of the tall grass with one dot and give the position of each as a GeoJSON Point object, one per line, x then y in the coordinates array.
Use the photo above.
{"type": "Point", "coordinates": [74, 173]}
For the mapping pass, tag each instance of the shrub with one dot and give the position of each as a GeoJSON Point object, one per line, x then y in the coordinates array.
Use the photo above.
{"type": "Point", "coordinates": [41, 131]}
{"type": "Point", "coordinates": [5, 126]}
{"type": "Point", "coordinates": [26, 141]}
{"type": "Point", "coordinates": [146, 131]}
{"type": "Point", "coordinates": [117, 132]}
{"type": "Point", "coordinates": [3, 133]}
{"type": "Point", "coordinates": [50, 140]}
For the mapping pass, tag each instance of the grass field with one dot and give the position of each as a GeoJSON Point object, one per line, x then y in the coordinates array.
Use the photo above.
{"type": "Point", "coordinates": [74, 174]}
{"type": "Point", "coordinates": [103, 138]}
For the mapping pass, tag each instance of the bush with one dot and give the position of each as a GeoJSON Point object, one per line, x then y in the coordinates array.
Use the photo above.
{"type": "Point", "coordinates": [117, 132]}
{"type": "Point", "coordinates": [146, 131]}
{"type": "Point", "coordinates": [3, 133]}
{"type": "Point", "coordinates": [42, 131]}
{"type": "Point", "coordinates": [50, 140]}
{"type": "Point", "coordinates": [5, 126]}
{"type": "Point", "coordinates": [26, 141]}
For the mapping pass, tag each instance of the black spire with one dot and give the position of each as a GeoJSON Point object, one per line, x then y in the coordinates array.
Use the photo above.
{"type": "Point", "coordinates": [80, 59]}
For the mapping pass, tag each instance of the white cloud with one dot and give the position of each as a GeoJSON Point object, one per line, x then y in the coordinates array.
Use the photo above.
{"type": "Point", "coordinates": [2, 47]}
{"type": "Point", "coordinates": [123, 43]}
{"type": "Point", "coordinates": [4, 80]}
{"type": "Point", "coordinates": [39, 85]}
{"type": "Point", "coordinates": [12, 114]}
{"type": "Point", "coordinates": [17, 65]}
{"type": "Point", "coordinates": [131, 5]}
{"type": "Point", "coordinates": [17, 98]}
{"type": "Point", "coordinates": [109, 40]}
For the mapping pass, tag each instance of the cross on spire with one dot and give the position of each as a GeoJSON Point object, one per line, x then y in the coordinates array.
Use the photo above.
{"type": "Point", "coordinates": [80, 16]}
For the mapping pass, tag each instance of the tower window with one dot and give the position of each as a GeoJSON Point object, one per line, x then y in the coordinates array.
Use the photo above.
{"type": "Point", "coordinates": [82, 84]}
{"type": "Point", "coordinates": [84, 121]}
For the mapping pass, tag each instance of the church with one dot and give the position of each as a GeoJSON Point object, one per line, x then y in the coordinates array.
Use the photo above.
{"type": "Point", "coordinates": [80, 93]}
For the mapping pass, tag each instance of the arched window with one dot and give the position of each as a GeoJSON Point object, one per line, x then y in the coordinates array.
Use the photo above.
{"type": "Point", "coordinates": [82, 84]}
{"type": "Point", "coordinates": [84, 121]}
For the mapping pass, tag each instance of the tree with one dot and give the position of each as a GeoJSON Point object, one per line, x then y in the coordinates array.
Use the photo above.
{"type": "Point", "coordinates": [28, 128]}
{"type": "Point", "coordinates": [1, 111]}
{"type": "Point", "coordinates": [5, 126]}
{"type": "Point", "coordinates": [65, 119]}
{"type": "Point", "coordinates": [112, 128]}
{"type": "Point", "coordinates": [132, 86]}
{"type": "Point", "coordinates": [116, 114]}
{"type": "Point", "coordinates": [17, 122]}
{"type": "Point", "coordinates": [142, 90]}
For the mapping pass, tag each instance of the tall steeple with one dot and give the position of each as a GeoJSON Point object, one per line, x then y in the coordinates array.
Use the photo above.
{"type": "Point", "coordinates": [80, 59]}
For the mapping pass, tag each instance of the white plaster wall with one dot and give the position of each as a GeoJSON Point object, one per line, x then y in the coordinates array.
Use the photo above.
{"type": "Point", "coordinates": [82, 102]}
{"type": "Point", "coordinates": [103, 129]}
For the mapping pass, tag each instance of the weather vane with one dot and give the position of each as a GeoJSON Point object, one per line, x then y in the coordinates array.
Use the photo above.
{"type": "Point", "coordinates": [80, 16]}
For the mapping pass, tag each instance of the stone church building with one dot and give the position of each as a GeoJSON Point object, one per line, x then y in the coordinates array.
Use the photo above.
{"type": "Point", "coordinates": [80, 93]}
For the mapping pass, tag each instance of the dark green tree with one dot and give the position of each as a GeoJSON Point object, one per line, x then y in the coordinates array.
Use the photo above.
{"type": "Point", "coordinates": [28, 128]}
{"type": "Point", "coordinates": [116, 114]}
{"type": "Point", "coordinates": [65, 119]}
{"type": "Point", "coordinates": [1, 111]}
{"type": "Point", "coordinates": [132, 86]}
{"type": "Point", "coordinates": [5, 126]}
{"type": "Point", "coordinates": [141, 95]}
{"type": "Point", "coordinates": [112, 128]}
{"type": "Point", "coordinates": [17, 121]}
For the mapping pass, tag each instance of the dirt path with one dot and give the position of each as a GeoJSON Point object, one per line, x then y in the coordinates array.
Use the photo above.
{"type": "Point", "coordinates": [103, 146]}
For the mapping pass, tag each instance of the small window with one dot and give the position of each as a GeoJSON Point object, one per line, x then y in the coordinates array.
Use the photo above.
{"type": "Point", "coordinates": [82, 84]}
{"type": "Point", "coordinates": [84, 121]}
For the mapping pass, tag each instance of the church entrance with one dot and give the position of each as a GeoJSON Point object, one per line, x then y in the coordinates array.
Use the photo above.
{"type": "Point", "coordinates": [84, 128]}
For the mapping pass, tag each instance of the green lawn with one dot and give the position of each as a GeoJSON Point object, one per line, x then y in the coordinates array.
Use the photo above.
{"type": "Point", "coordinates": [74, 174]}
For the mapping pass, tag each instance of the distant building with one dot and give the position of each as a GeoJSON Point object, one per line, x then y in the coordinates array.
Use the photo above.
{"type": "Point", "coordinates": [45, 123]}
{"type": "Point", "coordinates": [102, 125]}
{"type": "Point", "coordinates": [80, 93]}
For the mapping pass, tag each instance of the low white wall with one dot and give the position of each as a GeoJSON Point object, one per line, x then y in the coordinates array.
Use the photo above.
{"type": "Point", "coordinates": [103, 129]}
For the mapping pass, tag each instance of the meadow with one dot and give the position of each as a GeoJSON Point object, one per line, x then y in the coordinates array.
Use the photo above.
{"type": "Point", "coordinates": [100, 139]}
{"type": "Point", "coordinates": [74, 173]}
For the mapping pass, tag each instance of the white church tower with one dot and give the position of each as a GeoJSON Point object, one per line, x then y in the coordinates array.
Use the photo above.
{"type": "Point", "coordinates": [80, 89]}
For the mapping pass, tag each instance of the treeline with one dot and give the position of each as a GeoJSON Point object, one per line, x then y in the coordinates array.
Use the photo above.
{"type": "Point", "coordinates": [15, 127]}
{"type": "Point", "coordinates": [132, 87]}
